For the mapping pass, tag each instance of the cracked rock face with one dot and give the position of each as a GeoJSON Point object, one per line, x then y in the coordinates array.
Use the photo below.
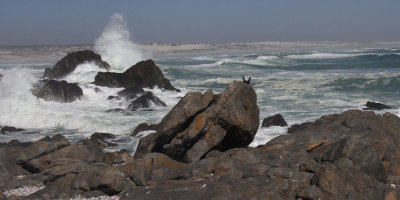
{"type": "Point", "coordinates": [200, 123]}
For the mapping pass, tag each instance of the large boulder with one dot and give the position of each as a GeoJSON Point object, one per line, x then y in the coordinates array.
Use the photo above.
{"type": "Point", "coordinates": [144, 74]}
{"type": "Point", "coordinates": [68, 64]}
{"type": "Point", "coordinates": [202, 122]}
{"type": "Point", "coordinates": [53, 90]}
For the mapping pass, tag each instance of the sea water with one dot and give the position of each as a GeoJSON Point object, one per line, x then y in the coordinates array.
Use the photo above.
{"type": "Point", "coordinates": [300, 80]}
{"type": "Point", "coordinates": [301, 85]}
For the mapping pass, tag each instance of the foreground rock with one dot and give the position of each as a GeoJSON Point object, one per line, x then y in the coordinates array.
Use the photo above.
{"type": "Point", "coordinates": [353, 155]}
{"type": "Point", "coordinates": [144, 74]}
{"type": "Point", "coordinates": [202, 122]}
{"type": "Point", "coordinates": [276, 120]}
{"type": "Point", "coordinates": [376, 106]}
{"type": "Point", "coordinates": [53, 90]}
{"type": "Point", "coordinates": [68, 64]}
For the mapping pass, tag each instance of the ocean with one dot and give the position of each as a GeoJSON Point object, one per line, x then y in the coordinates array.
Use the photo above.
{"type": "Point", "coordinates": [300, 80]}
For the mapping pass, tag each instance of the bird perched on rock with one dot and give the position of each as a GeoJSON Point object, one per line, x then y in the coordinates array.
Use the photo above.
{"type": "Point", "coordinates": [244, 80]}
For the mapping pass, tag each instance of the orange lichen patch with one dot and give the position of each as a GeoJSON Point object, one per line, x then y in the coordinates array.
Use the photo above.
{"type": "Point", "coordinates": [391, 196]}
{"type": "Point", "coordinates": [274, 146]}
{"type": "Point", "coordinates": [398, 171]}
{"type": "Point", "coordinates": [198, 123]}
{"type": "Point", "coordinates": [314, 145]}
{"type": "Point", "coordinates": [386, 165]}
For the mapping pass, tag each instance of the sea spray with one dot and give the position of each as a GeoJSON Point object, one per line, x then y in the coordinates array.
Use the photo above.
{"type": "Point", "coordinates": [115, 45]}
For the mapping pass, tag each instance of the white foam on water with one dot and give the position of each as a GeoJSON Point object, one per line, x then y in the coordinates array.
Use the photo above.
{"type": "Point", "coordinates": [266, 134]}
{"type": "Point", "coordinates": [115, 45]}
{"type": "Point", "coordinates": [317, 55]}
{"type": "Point", "coordinates": [84, 73]}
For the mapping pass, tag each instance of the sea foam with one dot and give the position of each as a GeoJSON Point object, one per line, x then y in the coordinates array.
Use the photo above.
{"type": "Point", "coordinates": [115, 45]}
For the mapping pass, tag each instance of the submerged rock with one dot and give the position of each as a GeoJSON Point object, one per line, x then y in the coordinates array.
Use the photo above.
{"type": "Point", "coordinates": [68, 64]}
{"type": "Point", "coordinates": [376, 106]}
{"type": "Point", "coordinates": [6, 129]}
{"type": "Point", "coordinates": [276, 120]}
{"type": "Point", "coordinates": [131, 92]}
{"type": "Point", "coordinates": [202, 122]}
{"type": "Point", "coordinates": [145, 101]}
{"type": "Point", "coordinates": [53, 90]}
{"type": "Point", "coordinates": [142, 74]}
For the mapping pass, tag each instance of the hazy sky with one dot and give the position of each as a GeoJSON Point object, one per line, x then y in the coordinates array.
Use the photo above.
{"type": "Point", "coordinates": [200, 21]}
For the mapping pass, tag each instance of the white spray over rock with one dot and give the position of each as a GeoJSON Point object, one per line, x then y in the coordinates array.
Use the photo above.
{"type": "Point", "coordinates": [115, 45]}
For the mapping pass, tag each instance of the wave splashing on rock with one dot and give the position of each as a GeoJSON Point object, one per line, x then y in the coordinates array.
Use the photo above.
{"type": "Point", "coordinates": [115, 45]}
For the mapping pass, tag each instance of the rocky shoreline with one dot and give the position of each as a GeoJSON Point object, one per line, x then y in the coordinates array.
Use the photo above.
{"type": "Point", "coordinates": [200, 150]}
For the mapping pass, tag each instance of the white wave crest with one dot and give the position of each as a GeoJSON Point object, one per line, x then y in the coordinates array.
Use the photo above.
{"type": "Point", "coordinates": [322, 56]}
{"type": "Point", "coordinates": [115, 46]}
{"type": "Point", "coordinates": [84, 73]}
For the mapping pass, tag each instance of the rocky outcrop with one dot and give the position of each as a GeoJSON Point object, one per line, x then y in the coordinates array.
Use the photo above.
{"type": "Point", "coordinates": [131, 92]}
{"type": "Point", "coordinates": [53, 90]}
{"type": "Point", "coordinates": [8, 129]}
{"type": "Point", "coordinates": [276, 120]}
{"type": "Point", "coordinates": [202, 122]}
{"type": "Point", "coordinates": [376, 106]}
{"type": "Point", "coordinates": [68, 64]}
{"type": "Point", "coordinates": [352, 155]}
{"type": "Point", "coordinates": [145, 101]}
{"type": "Point", "coordinates": [144, 74]}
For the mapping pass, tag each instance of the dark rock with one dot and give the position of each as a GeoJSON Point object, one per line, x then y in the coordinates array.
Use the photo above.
{"type": "Point", "coordinates": [276, 120]}
{"type": "Point", "coordinates": [228, 120]}
{"type": "Point", "coordinates": [1, 76]}
{"type": "Point", "coordinates": [131, 92]}
{"type": "Point", "coordinates": [61, 91]}
{"type": "Point", "coordinates": [6, 129]}
{"type": "Point", "coordinates": [115, 110]}
{"type": "Point", "coordinates": [145, 101]}
{"type": "Point", "coordinates": [376, 106]}
{"type": "Point", "coordinates": [142, 74]}
{"type": "Point", "coordinates": [152, 169]}
{"type": "Point", "coordinates": [113, 97]}
{"type": "Point", "coordinates": [68, 64]}
{"type": "Point", "coordinates": [143, 127]}
{"type": "Point", "coordinates": [118, 158]}
{"type": "Point", "coordinates": [96, 89]}
{"type": "Point", "coordinates": [68, 178]}
{"type": "Point", "coordinates": [100, 140]}
{"type": "Point", "coordinates": [42, 147]}
{"type": "Point", "coordinates": [85, 153]}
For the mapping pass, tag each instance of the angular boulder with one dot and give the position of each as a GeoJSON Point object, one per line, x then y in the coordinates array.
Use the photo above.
{"type": "Point", "coordinates": [202, 122]}
{"type": "Point", "coordinates": [68, 64]}
{"type": "Point", "coordinates": [60, 91]}
{"type": "Point", "coordinates": [144, 74]}
{"type": "Point", "coordinates": [145, 101]}
{"type": "Point", "coordinates": [276, 120]}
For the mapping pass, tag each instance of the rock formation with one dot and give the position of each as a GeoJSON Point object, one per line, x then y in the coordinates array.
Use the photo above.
{"type": "Point", "coordinates": [276, 120]}
{"type": "Point", "coordinates": [200, 123]}
{"type": "Point", "coordinates": [68, 64]}
{"type": "Point", "coordinates": [142, 74]}
{"type": "Point", "coordinates": [376, 106]}
{"type": "Point", "coordinates": [53, 90]}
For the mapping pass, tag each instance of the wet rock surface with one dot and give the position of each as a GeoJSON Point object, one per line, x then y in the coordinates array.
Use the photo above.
{"type": "Point", "coordinates": [60, 91]}
{"type": "Point", "coordinates": [145, 101]}
{"type": "Point", "coordinates": [144, 74]}
{"type": "Point", "coordinates": [9, 129]}
{"type": "Point", "coordinates": [69, 63]}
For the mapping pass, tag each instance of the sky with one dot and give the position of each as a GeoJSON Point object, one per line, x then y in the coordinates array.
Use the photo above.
{"type": "Point", "coordinates": [27, 22]}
